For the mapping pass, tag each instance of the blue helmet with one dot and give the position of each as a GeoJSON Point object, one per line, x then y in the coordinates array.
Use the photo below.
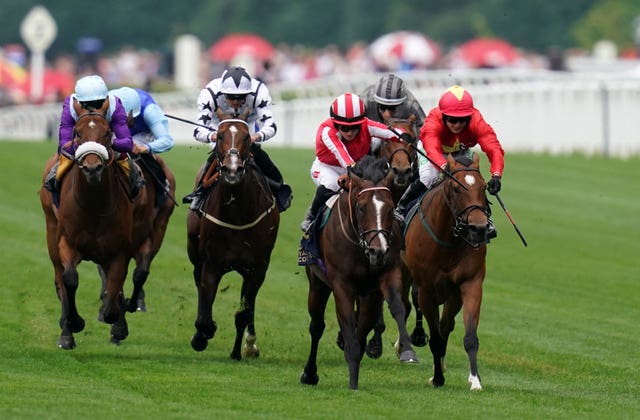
{"type": "Point", "coordinates": [129, 98]}
{"type": "Point", "coordinates": [91, 88]}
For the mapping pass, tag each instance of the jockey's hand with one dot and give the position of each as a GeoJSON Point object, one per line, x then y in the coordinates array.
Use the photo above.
{"type": "Point", "coordinates": [257, 137]}
{"type": "Point", "coordinates": [342, 181]}
{"type": "Point", "coordinates": [406, 137]}
{"type": "Point", "coordinates": [140, 149]}
{"type": "Point", "coordinates": [494, 185]}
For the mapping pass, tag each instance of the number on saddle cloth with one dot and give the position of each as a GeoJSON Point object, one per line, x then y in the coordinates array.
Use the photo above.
{"type": "Point", "coordinates": [309, 252]}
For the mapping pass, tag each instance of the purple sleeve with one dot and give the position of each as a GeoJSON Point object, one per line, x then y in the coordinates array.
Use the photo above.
{"type": "Point", "coordinates": [122, 136]}
{"type": "Point", "coordinates": [65, 132]}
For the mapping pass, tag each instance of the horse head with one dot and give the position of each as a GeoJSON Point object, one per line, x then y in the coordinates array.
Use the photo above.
{"type": "Point", "coordinates": [400, 155]}
{"type": "Point", "coordinates": [469, 204]}
{"type": "Point", "coordinates": [93, 138]}
{"type": "Point", "coordinates": [233, 146]}
{"type": "Point", "coordinates": [372, 214]}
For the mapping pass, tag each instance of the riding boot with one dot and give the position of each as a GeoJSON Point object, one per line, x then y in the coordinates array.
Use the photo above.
{"type": "Point", "coordinates": [279, 189]}
{"type": "Point", "coordinates": [415, 190]}
{"type": "Point", "coordinates": [322, 195]}
{"type": "Point", "coordinates": [52, 184]}
{"type": "Point", "coordinates": [199, 189]}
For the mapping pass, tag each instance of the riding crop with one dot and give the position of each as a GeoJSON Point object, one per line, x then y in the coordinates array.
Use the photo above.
{"type": "Point", "coordinates": [511, 219]}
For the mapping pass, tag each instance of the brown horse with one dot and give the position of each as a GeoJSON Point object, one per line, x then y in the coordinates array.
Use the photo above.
{"type": "Point", "coordinates": [445, 252]}
{"type": "Point", "coordinates": [359, 253]}
{"type": "Point", "coordinates": [236, 231]}
{"type": "Point", "coordinates": [161, 209]}
{"type": "Point", "coordinates": [402, 161]}
{"type": "Point", "coordinates": [96, 221]}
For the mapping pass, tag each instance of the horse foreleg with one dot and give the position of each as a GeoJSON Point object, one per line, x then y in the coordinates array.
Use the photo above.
{"type": "Point", "coordinates": [472, 297]}
{"type": "Point", "coordinates": [318, 297]}
{"type": "Point", "coordinates": [140, 274]}
{"type": "Point", "coordinates": [353, 347]}
{"type": "Point", "coordinates": [207, 286]}
{"type": "Point", "coordinates": [70, 321]}
{"type": "Point", "coordinates": [391, 285]}
{"type": "Point", "coordinates": [429, 307]}
{"type": "Point", "coordinates": [418, 335]}
{"type": "Point", "coordinates": [252, 281]}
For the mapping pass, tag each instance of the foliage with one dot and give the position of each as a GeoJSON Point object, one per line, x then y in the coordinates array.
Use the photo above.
{"type": "Point", "coordinates": [608, 19]}
{"type": "Point", "coordinates": [557, 333]}
{"type": "Point", "coordinates": [534, 25]}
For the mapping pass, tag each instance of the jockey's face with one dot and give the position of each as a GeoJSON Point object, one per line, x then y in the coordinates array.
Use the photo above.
{"type": "Point", "coordinates": [387, 112]}
{"type": "Point", "coordinates": [348, 132]}
{"type": "Point", "coordinates": [235, 101]}
{"type": "Point", "coordinates": [456, 124]}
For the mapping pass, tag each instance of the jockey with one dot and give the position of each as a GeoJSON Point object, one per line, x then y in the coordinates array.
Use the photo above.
{"type": "Point", "coordinates": [455, 124]}
{"type": "Point", "coordinates": [150, 132]}
{"type": "Point", "coordinates": [233, 93]}
{"type": "Point", "coordinates": [341, 141]}
{"type": "Point", "coordinates": [389, 98]}
{"type": "Point", "coordinates": [91, 93]}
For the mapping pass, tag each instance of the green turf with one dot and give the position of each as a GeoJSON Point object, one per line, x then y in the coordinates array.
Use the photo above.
{"type": "Point", "coordinates": [558, 333]}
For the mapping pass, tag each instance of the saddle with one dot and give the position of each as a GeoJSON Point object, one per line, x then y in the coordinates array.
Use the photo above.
{"type": "Point", "coordinates": [309, 250]}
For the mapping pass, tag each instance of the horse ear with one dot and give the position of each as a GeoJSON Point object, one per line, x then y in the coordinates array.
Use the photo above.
{"type": "Point", "coordinates": [451, 161]}
{"type": "Point", "coordinates": [220, 114]}
{"type": "Point", "coordinates": [105, 106]}
{"type": "Point", "coordinates": [245, 114]}
{"type": "Point", "coordinates": [476, 159]}
{"type": "Point", "coordinates": [77, 107]}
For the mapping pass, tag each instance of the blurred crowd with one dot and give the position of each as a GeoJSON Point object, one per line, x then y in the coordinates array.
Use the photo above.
{"type": "Point", "coordinates": [153, 70]}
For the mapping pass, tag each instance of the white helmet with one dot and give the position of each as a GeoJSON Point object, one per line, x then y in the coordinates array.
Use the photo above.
{"type": "Point", "coordinates": [91, 88]}
{"type": "Point", "coordinates": [236, 81]}
{"type": "Point", "coordinates": [390, 91]}
{"type": "Point", "coordinates": [130, 99]}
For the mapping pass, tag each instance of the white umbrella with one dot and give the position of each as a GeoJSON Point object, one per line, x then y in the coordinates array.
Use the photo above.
{"type": "Point", "coordinates": [404, 50]}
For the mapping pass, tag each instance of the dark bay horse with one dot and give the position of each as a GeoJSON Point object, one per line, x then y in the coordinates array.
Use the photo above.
{"type": "Point", "coordinates": [402, 160]}
{"type": "Point", "coordinates": [96, 221]}
{"type": "Point", "coordinates": [445, 252]}
{"type": "Point", "coordinates": [359, 251]}
{"type": "Point", "coordinates": [236, 231]}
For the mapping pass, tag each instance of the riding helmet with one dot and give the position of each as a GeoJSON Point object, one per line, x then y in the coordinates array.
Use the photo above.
{"type": "Point", "coordinates": [129, 98]}
{"type": "Point", "coordinates": [91, 88]}
{"type": "Point", "coordinates": [456, 102]}
{"type": "Point", "coordinates": [235, 81]}
{"type": "Point", "coordinates": [390, 90]}
{"type": "Point", "coordinates": [347, 109]}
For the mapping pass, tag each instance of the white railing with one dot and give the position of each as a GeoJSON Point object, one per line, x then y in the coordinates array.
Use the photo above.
{"type": "Point", "coordinates": [530, 111]}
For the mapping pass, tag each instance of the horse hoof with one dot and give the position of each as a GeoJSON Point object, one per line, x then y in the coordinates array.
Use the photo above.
{"type": "Point", "coordinates": [374, 349]}
{"type": "Point", "coordinates": [308, 379]}
{"type": "Point", "coordinates": [199, 342]}
{"type": "Point", "coordinates": [409, 356]}
{"type": "Point", "coordinates": [130, 306]}
{"type": "Point", "coordinates": [142, 306]}
{"type": "Point", "coordinates": [115, 340]}
{"type": "Point", "coordinates": [235, 355]}
{"type": "Point", "coordinates": [250, 349]}
{"type": "Point", "coordinates": [474, 382]}
{"type": "Point", "coordinates": [67, 343]}
{"type": "Point", "coordinates": [436, 384]}
{"type": "Point", "coordinates": [419, 337]}
{"type": "Point", "coordinates": [118, 333]}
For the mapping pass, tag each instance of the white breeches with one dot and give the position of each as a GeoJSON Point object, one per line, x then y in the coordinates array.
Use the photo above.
{"type": "Point", "coordinates": [327, 175]}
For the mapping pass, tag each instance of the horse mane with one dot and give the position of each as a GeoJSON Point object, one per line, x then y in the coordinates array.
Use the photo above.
{"type": "Point", "coordinates": [372, 168]}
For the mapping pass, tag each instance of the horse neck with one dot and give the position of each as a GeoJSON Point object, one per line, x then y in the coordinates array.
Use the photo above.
{"type": "Point", "coordinates": [437, 213]}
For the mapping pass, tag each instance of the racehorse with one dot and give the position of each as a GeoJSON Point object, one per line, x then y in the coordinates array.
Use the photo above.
{"type": "Point", "coordinates": [235, 231]}
{"type": "Point", "coordinates": [359, 253]}
{"type": "Point", "coordinates": [402, 160]}
{"type": "Point", "coordinates": [97, 221]}
{"type": "Point", "coordinates": [445, 253]}
{"type": "Point", "coordinates": [161, 208]}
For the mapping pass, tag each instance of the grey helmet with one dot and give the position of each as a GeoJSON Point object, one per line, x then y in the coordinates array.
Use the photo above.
{"type": "Point", "coordinates": [235, 81]}
{"type": "Point", "coordinates": [390, 90]}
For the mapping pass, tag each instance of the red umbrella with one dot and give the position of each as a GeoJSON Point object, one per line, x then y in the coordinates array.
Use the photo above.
{"type": "Point", "coordinates": [486, 52]}
{"type": "Point", "coordinates": [230, 46]}
{"type": "Point", "coordinates": [401, 49]}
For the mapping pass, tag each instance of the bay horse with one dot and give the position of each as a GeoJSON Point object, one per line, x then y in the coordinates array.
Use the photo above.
{"type": "Point", "coordinates": [96, 221]}
{"type": "Point", "coordinates": [402, 160]}
{"type": "Point", "coordinates": [445, 253]}
{"type": "Point", "coordinates": [236, 230]}
{"type": "Point", "coordinates": [161, 209]}
{"type": "Point", "coordinates": [359, 253]}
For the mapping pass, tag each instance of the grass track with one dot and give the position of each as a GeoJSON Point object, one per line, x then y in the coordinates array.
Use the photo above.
{"type": "Point", "coordinates": [558, 334]}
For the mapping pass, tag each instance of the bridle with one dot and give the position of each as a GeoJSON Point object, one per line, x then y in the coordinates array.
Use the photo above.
{"type": "Point", "coordinates": [233, 152]}
{"type": "Point", "coordinates": [364, 237]}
